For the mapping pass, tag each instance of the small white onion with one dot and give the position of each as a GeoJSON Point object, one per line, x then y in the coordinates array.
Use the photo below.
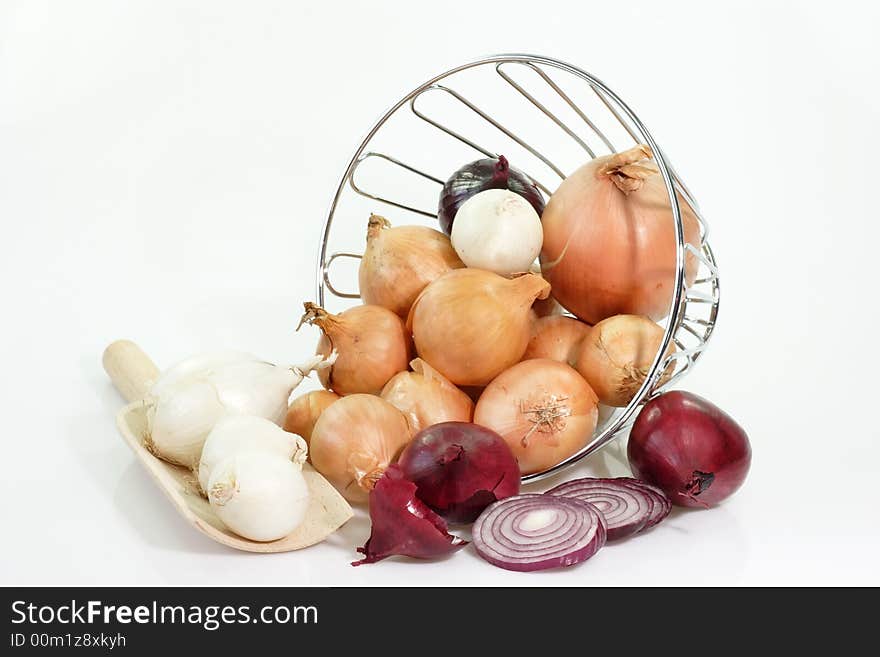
{"type": "Point", "coordinates": [259, 495]}
{"type": "Point", "coordinates": [497, 230]}
{"type": "Point", "coordinates": [237, 433]}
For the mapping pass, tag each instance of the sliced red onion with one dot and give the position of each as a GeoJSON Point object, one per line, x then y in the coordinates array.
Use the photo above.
{"type": "Point", "coordinates": [535, 532]}
{"type": "Point", "coordinates": [626, 508]}
{"type": "Point", "coordinates": [662, 503]}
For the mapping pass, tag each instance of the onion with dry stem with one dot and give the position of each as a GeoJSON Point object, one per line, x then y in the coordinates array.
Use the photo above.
{"type": "Point", "coordinates": [617, 353]}
{"type": "Point", "coordinates": [400, 261]}
{"type": "Point", "coordinates": [354, 440]}
{"type": "Point", "coordinates": [426, 397]}
{"type": "Point", "coordinates": [471, 324]}
{"type": "Point", "coordinates": [304, 411]}
{"type": "Point", "coordinates": [556, 337]}
{"type": "Point", "coordinates": [609, 239]}
{"type": "Point", "coordinates": [371, 342]}
{"type": "Point", "coordinates": [544, 409]}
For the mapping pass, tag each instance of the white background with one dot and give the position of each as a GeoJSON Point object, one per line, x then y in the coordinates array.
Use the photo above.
{"type": "Point", "coordinates": [164, 170]}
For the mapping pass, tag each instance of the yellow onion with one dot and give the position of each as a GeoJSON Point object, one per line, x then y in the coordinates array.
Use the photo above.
{"type": "Point", "coordinates": [544, 409]}
{"type": "Point", "coordinates": [371, 342]}
{"type": "Point", "coordinates": [471, 324]}
{"type": "Point", "coordinates": [609, 239]}
{"type": "Point", "coordinates": [355, 440]}
{"type": "Point", "coordinates": [426, 397]}
{"type": "Point", "coordinates": [305, 410]}
{"type": "Point", "coordinates": [616, 354]}
{"type": "Point", "coordinates": [556, 337]}
{"type": "Point", "coordinates": [399, 262]}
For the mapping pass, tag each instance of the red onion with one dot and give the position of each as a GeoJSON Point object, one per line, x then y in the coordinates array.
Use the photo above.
{"type": "Point", "coordinates": [402, 524]}
{"type": "Point", "coordinates": [478, 176]}
{"type": "Point", "coordinates": [627, 508]}
{"type": "Point", "coordinates": [535, 532]}
{"type": "Point", "coordinates": [691, 449]}
{"type": "Point", "coordinates": [459, 469]}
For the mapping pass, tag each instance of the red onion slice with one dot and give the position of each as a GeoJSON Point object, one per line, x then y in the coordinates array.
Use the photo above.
{"type": "Point", "coordinates": [662, 503]}
{"type": "Point", "coordinates": [535, 532]}
{"type": "Point", "coordinates": [626, 507]}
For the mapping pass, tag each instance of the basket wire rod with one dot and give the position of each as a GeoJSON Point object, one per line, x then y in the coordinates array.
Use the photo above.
{"type": "Point", "coordinates": [353, 184]}
{"type": "Point", "coordinates": [568, 100]}
{"type": "Point", "coordinates": [343, 295]}
{"type": "Point", "coordinates": [491, 121]}
{"type": "Point", "coordinates": [692, 331]}
{"type": "Point", "coordinates": [613, 110]}
{"type": "Point", "coordinates": [534, 101]}
{"type": "Point", "coordinates": [705, 256]}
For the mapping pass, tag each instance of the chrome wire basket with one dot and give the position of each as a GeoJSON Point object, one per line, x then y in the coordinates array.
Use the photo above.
{"type": "Point", "coordinates": [528, 108]}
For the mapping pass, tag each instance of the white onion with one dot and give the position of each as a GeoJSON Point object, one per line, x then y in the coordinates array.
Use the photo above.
{"type": "Point", "coordinates": [499, 231]}
{"type": "Point", "coordinates": [237, 433]}
{"type": "Point", "coordinates": [259, 495]}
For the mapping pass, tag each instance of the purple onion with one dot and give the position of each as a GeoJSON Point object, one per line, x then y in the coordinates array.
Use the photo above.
{"type": "Point", "coordinates": [627, 507]}
{"type": "Point", "coordinates": [689, 448]}
{"type": "Point", "coordinates": [478, 176]}
{"type": "Point", "coordinates": [459, 469]}
{"type": "Point", "coordinates": [535, 532]}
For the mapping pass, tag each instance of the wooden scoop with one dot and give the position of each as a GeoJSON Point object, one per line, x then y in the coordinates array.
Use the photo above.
{"type": "Point", "coordinates": [133, 374]}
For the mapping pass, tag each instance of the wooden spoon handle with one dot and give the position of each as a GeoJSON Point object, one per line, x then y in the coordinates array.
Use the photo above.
{"type": "Point", "coordinates": [130, 369]}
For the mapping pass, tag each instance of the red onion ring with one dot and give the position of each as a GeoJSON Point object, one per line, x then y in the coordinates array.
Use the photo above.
{"type": "Point", "coordinates": [535, 532]}
{"type": "Point", "coordinates": [628, 507]}
{"type": "Point", "coordinates": [662, 503]}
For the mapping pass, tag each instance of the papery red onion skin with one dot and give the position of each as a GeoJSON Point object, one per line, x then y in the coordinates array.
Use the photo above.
{"type": "Point", "coordinates": [460, 468]}
{"type": "Point", "coordinates": [478, 176]}
{"type": "Point", "coordinates": [403, 525]}
{"type": "Point", "coordinates": [689, 448]}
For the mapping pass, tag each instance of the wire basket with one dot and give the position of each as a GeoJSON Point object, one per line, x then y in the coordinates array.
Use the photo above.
{"type": "Point", "coordinates": [524, 107]}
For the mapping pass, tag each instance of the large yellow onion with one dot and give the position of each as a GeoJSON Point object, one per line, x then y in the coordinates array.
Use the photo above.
{"type": "Point", "coordinates": [399, 262]}
{"type": "Point", "coordinates": [609, 239]}
{"type": "Point", "coordinates": [371, 342]}
{"type": "Point", "coordinates": [471, 324]}
{"type": "Point", "coordinates": [543, 409]}
{"type": "Point", "coordinates": [354, 440]}
{"type": "Point", "coordinates": [426, 397]}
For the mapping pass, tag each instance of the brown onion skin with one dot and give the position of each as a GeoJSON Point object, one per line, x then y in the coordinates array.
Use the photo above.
{"type": "Point", "coordinates": [543, 409]}
{"type": "Point", "coordinates": [612, 252]}
{"type": "Point", "coordinates": [426, 397]}
{"type": "Point", "coordinates": [400, 261]}
{"type": "Point", "coordinates": [471, 324]}
{"type": "Point", "coordinates": [556, 337]}
{"type": "Point", "coordinates": [304, 411]}
{"type": "Point", "coordinates": [616, 354]}
{"type": "Point", "coordinates": [355, 440]}
{"type": "Point", "coordinates": [680, 441]}
{"type": "Point", "coordinates": [372, 344]}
